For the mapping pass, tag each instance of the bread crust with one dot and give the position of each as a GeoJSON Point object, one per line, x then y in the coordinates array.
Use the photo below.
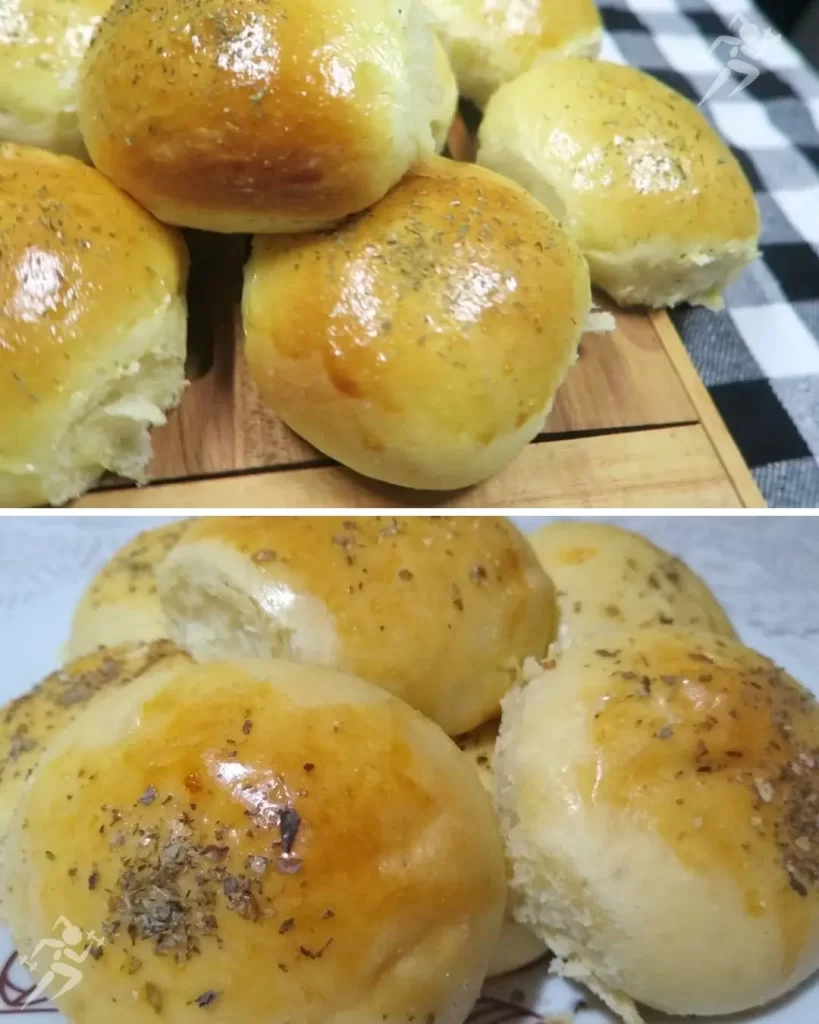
{"type": "Point", "coordinates": [653, 196]}
{"type": "Point", "coordinates": [252, 117]}
{"type": "Point", "coordinates": [457, 278]}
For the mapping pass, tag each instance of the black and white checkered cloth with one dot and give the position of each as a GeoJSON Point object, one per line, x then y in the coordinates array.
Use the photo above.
{"type": "Point", "coordinates": [759, 357]}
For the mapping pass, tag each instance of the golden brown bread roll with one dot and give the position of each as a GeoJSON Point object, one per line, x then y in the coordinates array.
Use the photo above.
{"type": "Point", "coordinates": [31, 722]}
{"type": "Point", "coordinates": [93, 321]}
{"type": "Point", "coordinates": [440, 611]}
{"type": "Point", "coordinates": [258, 118]}
{"type": "Point", "coordinates": [608, 577]}
{"type": "Point", "coordinates": [260, 841]}
{"type": "Point", "coordinates": [121, 602]}
{"type": "Point", "coordinates": [492, 43]}
{"type": "Point", "coordinates": [658, 793]}
{"type": "Point", "coordinates": [635, 173]}
{"type": "Point", "coordinates": [423, 342]}
{"type": "Point", "coordinates": [42, 44]}
{"type": "Point", "coordinates": [517, 945]}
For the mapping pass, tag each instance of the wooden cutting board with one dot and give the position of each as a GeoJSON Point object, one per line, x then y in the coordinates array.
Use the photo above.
{"type": "Point", "coordinates": [633, 426]}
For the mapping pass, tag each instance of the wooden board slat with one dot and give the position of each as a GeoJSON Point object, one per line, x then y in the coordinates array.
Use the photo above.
{"type": "Point", "coordinates": [664, 468]}
{"type": "Point", "coordinates": [622, 379]}
{"type": "Point", "coordinates": [708, 415]}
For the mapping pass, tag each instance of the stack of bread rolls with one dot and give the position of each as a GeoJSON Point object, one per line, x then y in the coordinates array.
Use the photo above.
{"type": "Point", "coordinates": [272, 837]}
{"type": "Point", "coordinates": [410, 317]}
{"type": "Point", "coordinates": [268, 776]}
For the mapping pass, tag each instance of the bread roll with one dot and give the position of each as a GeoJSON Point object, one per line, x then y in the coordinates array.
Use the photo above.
{"type": "Point", "coordinates": [31, 722]}
{"type": "Point", "coordinates": [92, 317]}
{"type": "Point", "coordinates": [447, 97]}
{"type": "Point", "coordinates": [517, 945]}
{"type": "Point", "coordinates": [42, 44]}
{"type": "Point", "coordinates": [440, 611]}
{"type": "Point", "coordinates": [121, 602]}
{"type": "Point", "coordinates": [421, 343]}
{"type": "Point", "coordinates": [490, 44]}
{"type": "Point", "coordinates": [608, 577]}
{"type": "Point", "coordinates": [264, 841]}
{"type": "Point", "coordinates": [655, 199]}
{"type": "Point", "coordinates": [658, 792]}
{"type": "Point", "coordinates": [249, 117]}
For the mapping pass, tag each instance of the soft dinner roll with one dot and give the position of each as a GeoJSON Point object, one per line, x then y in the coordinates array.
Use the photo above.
{"type": "Point", "coordinates": [421, 343]}
{"type": "Point", "coordinates": [42, 44]}
{"type": "Point", "coordinates": [492, 43]}
{"type": "Point", "coordinates": [29, 723]}
{"type": "Point", "coordinates": [658, 792]}
{"type": "Point", "coordinates": [440, 611]}
{"type": "Point", "coordinates": [251, 117]}
{"type": "Point", "coordinates": [121, 602]}
{"type": "Point", "coordinates": [517, 945]}
{"type": "Point", "coordinates": [657, 202]}
{"type": "Point", "coordinates": [608, 577]}
{"type": "Point", "coordinates": [92, 321]}
{"type": "Point", "coordinates": [263, 840]}
{"type": "Point", "coordinates": [447, 97]}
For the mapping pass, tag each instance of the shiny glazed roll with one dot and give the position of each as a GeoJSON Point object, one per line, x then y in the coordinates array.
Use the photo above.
{"type": "Point", "coordinates": [607, 577]}
{"type": "Point", "coordinates": [492, 43]}
{"type": "Point", "coordinates": [440, 611]}
{"type": "Point", "coordinates": [121, 602]}
{"type": "Point", "coordinates": [93, 327]}
{"type": "Point", "coordinates": [251, 117]}
{"type": "Point", "coordinates": [658, 793]}
{"type": "Point", "coordinates": [42, 44]}
{"type": "Point", "coordinates": [31, 722]}
{"type": "Point", "coordinates": [635, 173]}
{"type": "Point", "coordinates": [259, 841]}
{"type": "Point", "coordinates": [421, 343]}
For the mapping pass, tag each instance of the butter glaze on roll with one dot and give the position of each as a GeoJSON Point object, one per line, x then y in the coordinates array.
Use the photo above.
{"type": "Point", "coordinates": [658, 794]}
{"type": "Point", "coordinates": [655, 199]}
{"type": "Point", "coordinates": [423, 342]}
{"type": "Point", "coordinates": [42, 45]}
{"type": "Point", "coordinates": [441, 611]}
{"type": "Point", "coordinates": [31, 722]}
{"type": "Point", "coordinates": [607, 577]}
{"type": "Point", "coordinates": [247, 117]}
{"type": "Point", "coordinates": [93, 327]}
{"type": "Point", "coordinates": [260, 841]}
{"type": "Point", "coordinates": [493, 41]}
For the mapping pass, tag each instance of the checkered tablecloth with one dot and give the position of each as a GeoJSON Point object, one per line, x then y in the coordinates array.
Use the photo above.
{"type": "Point", "coordinates": [759, 357]}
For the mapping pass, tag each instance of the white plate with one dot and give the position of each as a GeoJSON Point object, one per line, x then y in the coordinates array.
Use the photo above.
{"type": "Point", "coordinates": [764, 570]}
